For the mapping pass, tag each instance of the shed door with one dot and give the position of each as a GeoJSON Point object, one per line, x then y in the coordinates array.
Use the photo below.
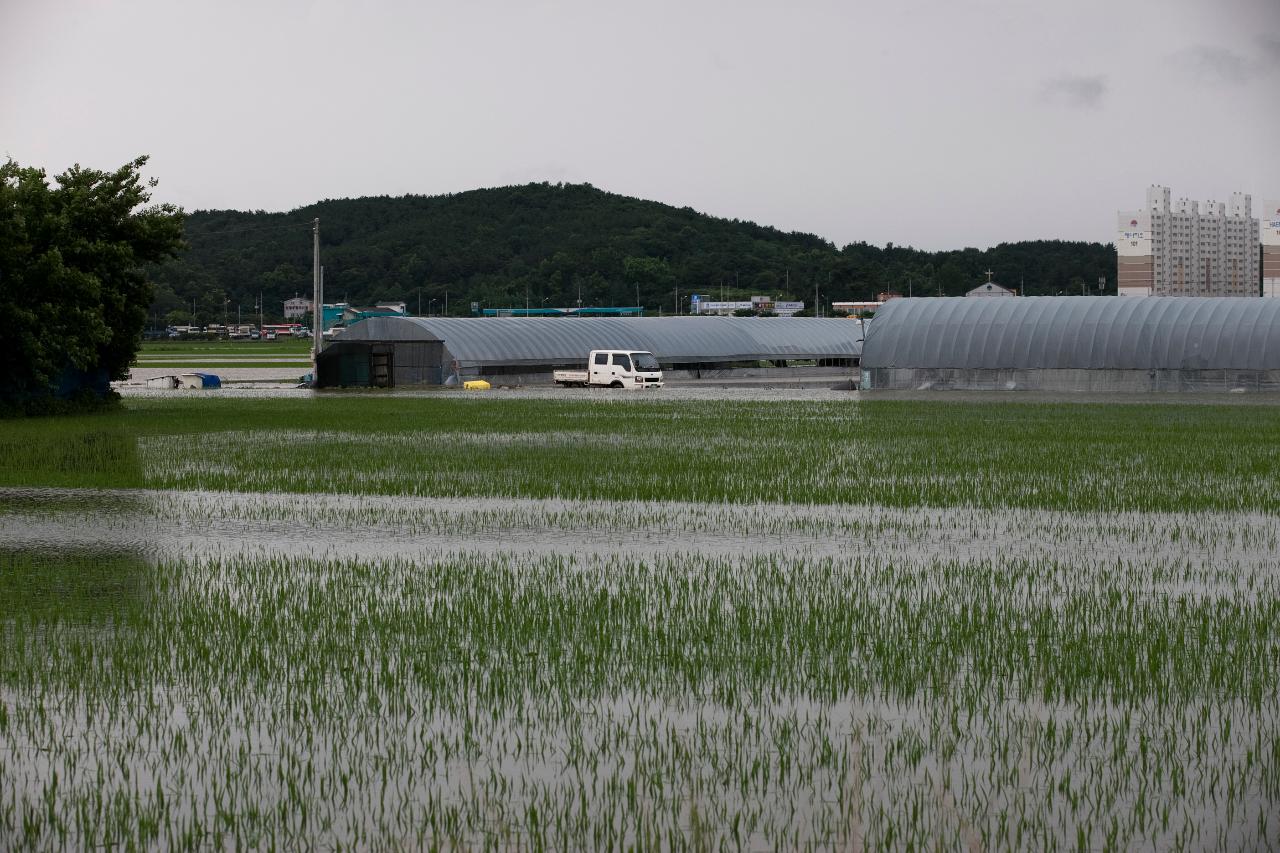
{"type": "Point", "coordinates": [418, 363]}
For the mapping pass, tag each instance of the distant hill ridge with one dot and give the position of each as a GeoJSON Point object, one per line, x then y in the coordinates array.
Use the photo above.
{"type": "Point", "coordinates": [551, 242]}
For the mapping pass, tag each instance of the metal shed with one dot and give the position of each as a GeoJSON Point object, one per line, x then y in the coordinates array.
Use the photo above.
{"type": "Point", "coordinates": [1075, 343]}
{"type": "Point", "coordinates": [431, 350]}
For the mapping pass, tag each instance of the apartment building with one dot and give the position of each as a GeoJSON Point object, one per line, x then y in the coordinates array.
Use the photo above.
{"type": "Point", "coordinates": [1271, 247]}
{"type": "Point", "coordinates": [1188, 248]}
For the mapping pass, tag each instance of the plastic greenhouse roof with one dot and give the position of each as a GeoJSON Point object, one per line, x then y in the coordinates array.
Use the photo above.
{"type": "Point", "coordinates": [546, 340]}
{"type": "Point", "coordinates": [1100, 332]}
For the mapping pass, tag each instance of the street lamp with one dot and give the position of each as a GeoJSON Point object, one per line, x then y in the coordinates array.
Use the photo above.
{"type": "Point", "coordinates": [431, 306]}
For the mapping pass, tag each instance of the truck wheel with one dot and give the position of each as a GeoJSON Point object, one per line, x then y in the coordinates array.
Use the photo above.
{"type": "Point", "coordinates": [615, 384]}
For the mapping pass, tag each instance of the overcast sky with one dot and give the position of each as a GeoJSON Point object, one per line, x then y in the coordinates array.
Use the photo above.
{"type": "Point", "coordinates": [937, 124]}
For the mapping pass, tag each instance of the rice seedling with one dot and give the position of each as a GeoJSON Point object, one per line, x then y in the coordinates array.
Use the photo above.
{"type": "Point", "coordinates": [451, 623]}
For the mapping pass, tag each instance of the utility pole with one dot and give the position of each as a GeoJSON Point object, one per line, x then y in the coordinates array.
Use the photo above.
{"type": "Point", "coordinates": [817, 312]}
{"type": "Point", "coordinates": [446, 302]}
{"type": "Point", "coordinates": [317, 285]}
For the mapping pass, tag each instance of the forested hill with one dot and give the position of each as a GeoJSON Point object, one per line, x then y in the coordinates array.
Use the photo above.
{"type": "Point", "coordinates": [550, 242]}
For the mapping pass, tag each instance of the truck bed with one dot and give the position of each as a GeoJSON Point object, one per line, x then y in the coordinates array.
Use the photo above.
{"type": "Point", "coordinates": [570, 377]}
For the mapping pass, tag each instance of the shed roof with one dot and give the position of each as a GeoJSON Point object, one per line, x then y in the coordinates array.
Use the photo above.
{"type": "Point", "coordinates": [674, 340]}
{"type": "Point", "coordinates": [1116, 332]}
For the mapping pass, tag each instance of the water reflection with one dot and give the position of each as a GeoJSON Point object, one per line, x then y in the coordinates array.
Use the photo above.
{"type": "Point", "coordinates": [71, 584]}
{"type": "Point", "coordinates": [154, 526]}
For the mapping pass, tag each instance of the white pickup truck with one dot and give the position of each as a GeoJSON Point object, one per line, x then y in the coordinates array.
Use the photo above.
{"type": "Point", "coordinates": [615, 368]}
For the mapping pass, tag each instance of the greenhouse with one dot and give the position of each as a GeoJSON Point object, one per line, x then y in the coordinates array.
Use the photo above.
{"type": "Point", "coordinates": [1075, 343]}
{"type": "Point", "coordinates": [399, 351]}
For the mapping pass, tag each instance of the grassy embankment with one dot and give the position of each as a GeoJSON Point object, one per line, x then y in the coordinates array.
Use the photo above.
{"type": "Point", "coordinates": [209, 355]}
{"type": "Point", "coordinates": [278, 347]}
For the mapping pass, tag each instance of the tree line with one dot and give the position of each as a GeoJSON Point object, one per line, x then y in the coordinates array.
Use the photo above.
{"type": "Point", "coordinates": [559, 245]}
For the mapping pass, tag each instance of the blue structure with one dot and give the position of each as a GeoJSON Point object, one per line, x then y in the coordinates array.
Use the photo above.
{"type": "Point", "coordinates": [354, 315]}
{"type": "Point", "coordinates": [209, 380]}
{"type": "Point", "coordinates": [332, 315]}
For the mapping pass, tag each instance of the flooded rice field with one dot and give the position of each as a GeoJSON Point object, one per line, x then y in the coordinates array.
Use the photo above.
{"type": "Point", "coordinates": [387, 622]}
{"type": "Point", "coordinates": [268, 669]}
{"type": "Point", "coordinates": [275, 383]}
{"type": "Point", "coordinates": [161, 525]}
{"type": "Point", "coordinates": [248, 382]}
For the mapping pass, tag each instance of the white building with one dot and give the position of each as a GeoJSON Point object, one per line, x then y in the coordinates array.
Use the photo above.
{"type": "Point", "coordinates": [1188, 249]}
{"type": "Point", "coordinates": [990, 288]}
{"type": "Point", "coordinates": [700, 304]}
{"type": "Point", "coordinates": [855, 308]}
{"type": "Point", "coordinates": [296, 307]}
{"type": "Point", "coordinates": [1271, 247]}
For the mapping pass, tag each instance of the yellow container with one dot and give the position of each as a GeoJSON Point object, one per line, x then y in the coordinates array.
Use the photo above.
{"type": "Point", "coordinates": [476, 385]}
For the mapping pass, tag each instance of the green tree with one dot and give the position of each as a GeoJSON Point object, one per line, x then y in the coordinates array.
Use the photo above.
{"type": "Point", "coordinates": [73, 289]}
{"type": "Point", "coordinates": [651, 278]}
